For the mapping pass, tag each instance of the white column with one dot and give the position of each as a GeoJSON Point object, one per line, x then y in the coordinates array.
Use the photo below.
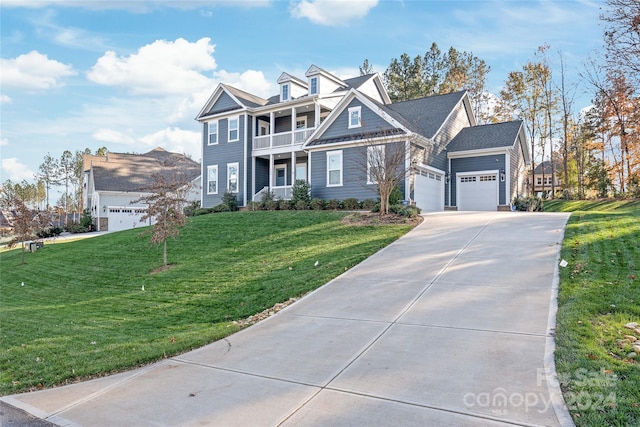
{"type": "Point", "coordinates": [293, 124]}
{"type": "Point", "coordinates": [271, 183]}
{"type": "Point", "coordinates": [316, 121]}
{"type": "Point", "coordinates": [272, 126]}
{"type": "Point", "coordinates": [293, 167]}
{"type": "Point", "coordinates": [253, 177]}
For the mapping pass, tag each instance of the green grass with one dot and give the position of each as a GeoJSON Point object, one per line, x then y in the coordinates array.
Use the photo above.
{"type": "Point", "coordinates": [82, 311]}
{"type": "Point", "coordinates": [599, 293]}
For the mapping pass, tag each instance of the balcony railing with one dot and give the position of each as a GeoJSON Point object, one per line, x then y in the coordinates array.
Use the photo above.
{"type": "Point", "coordinates": [283, 192]}
{"type": "Point", "coordinates": [281, 139]}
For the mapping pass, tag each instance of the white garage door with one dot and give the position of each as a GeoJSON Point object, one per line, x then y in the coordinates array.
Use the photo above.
{"type": "Point", "coordinates": [428, 191]}
{"type": "Point", "coordinates": [477, 192]}
{"type": "Point", "coordinates": [124, 218]}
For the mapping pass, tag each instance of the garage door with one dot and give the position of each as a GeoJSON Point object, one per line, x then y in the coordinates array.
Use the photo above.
{"type": "Point", "coordinates": [124, 218]}
{"type": "Point", "coordinates": [428, 191]}
{"type": "Point", "coordinates": [477, 192]}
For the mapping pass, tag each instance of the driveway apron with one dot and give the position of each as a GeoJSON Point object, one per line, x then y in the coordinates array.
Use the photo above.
{"type": "Point", "coordinates": [450, 325]}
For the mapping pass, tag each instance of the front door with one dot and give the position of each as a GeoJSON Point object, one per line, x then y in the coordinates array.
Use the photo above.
{"type": "Point", "coordinates": [281, 175]}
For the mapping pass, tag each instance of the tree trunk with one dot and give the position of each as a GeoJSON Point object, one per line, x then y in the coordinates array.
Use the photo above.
{"type": "Point", "coordinates": [164, 254]}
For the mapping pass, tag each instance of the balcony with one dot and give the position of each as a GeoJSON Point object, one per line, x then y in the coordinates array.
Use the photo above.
{"type": "Point", "coordinates": [281, 139]}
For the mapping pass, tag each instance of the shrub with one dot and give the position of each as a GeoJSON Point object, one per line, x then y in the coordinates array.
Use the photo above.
{"type": "Point", "coordinates": [191, 209]}
{"type": "Point", "coordinates": [395, 198]}
{"type": "Point", "coordinates": [253, 206]}
{"type": "Point", "coordinates": [203, 211]}
{"type": "Point", "coordinates": [86, 220]}
{"type": "Point", "coordinates": [350, 204]}
{"type": "Point", "coordinates": [317, 204]}
{"type": "Point", "coordinates": [284, 205]}
{"type": "Point", "coordinates": [333, 204]}
{"type": "Point", "coordinates": [368, 204]}
{"type": "Point", "coordinates": [222, 207]}
{"type": "Point", "coordinates": [406, 211]}
{"type": "Point", "coordinates": [268, 201]}
{"type": "Point", "coordinates": [528, 204]}
{"type": "Point", "coordinates": [301, 205]}
{"type": "Point", "coordinates": [50, 232]}
{"type": "Point", "coordinates": [230, 200]}
{"type": "Point", "coordinates": [301, 192]}
{"type": "Point", "coordinates": [76, 228]}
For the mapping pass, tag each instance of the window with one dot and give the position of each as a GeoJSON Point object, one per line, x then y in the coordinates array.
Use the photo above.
{"type": "Point", "coordinates": [375, 163]}
{"type": "Point", "coordinates": [213, 132]}
{"type": "Point", "coordinates": [232, 177]}
{"type": "Point", "coordinates": [485, 178]}
{"type": "Point", "coordinates": [285, 93]}
{"type": "Point", "coordinates": [301, 123]}
{"type": "Point", "coordinates": [468, 179]}
{"type": "Point", "coordinates": [301, 171]}
{"type": "Point", "coordinates": [313, 86]}
{"type": "Point", "coordinates": [334, 168]}
{"type": "Point", "coordinates": [212, 179]}
{"type": "Point", "coordinates": [354, 117]}
{"type": "Point", "coordinates": [539, 181]}
{"type": "Point", "coordinates": [233, 129]}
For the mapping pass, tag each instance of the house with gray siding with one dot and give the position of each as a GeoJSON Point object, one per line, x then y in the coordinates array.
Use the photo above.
{"type": "Point", "coordinates": [322, 129]}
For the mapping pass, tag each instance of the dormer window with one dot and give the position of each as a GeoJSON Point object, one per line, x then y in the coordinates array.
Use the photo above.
{"type": "Point", "coordinates": [313, 86]}
{"type": "Point", "coordinates": [354, 117]}
{"type": "Point", "coordinates": [285, 93]}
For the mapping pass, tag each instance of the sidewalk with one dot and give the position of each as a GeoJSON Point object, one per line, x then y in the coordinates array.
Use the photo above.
{"type": "Point", "coordinates": [450, 325]}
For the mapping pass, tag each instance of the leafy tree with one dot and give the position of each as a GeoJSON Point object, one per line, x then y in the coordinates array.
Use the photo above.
{"type": "Point", "coordinates": [301, 193]}
{"type": "Point", "coordinates": [65, 173]}
{"type": "Point", "coordinates": [49, 175]}
{"type": "Point", "coordinates": [167, 196]}
{"type": "Point", "coordinates": [26, 222]}
{"type": "Point", "coordinates": [403, 78]}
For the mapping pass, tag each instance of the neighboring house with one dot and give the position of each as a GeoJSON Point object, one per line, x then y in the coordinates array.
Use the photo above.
{"type": "Point", "coordinates": [323, 128]}
{"type": "Point", "coordinates": [114, 181]}
{"type": "Point", "coordinates": [544, 179]}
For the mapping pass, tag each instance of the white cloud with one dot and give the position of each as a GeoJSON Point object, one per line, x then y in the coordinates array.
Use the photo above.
{"type": "Point", "coordinates": [14, 170]}
{"type": "Point", "coordinates": [113, 136]}
{"type": "Point", "coordinates": [4, 99]}
{"type": "Point", "coordinates": [250, 81]}
{"type": "Point", "coordinates": [331, 12]}
{"type": "Point", "coordinates": [33, 71]}
{"type": "Point", "coordinates": [160, 68]}
{"type": "Point", "coordinates": [4, 142]}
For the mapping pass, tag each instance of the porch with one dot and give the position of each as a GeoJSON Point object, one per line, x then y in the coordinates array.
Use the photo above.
{"type": "Point", "coordinates": [278, 172]}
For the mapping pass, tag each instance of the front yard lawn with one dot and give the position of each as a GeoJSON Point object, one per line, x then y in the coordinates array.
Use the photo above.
{"type": "Point", "coordinates": [600, 294]}
{"type": "Point", "coordinates": [98, 306]}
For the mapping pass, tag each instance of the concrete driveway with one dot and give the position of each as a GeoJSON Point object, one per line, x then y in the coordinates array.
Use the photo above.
{"type": "Point", "coordinates": [450, 325]}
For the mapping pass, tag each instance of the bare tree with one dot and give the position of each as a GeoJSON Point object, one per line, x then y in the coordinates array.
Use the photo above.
{"type": "Point", "coordinates": [622, 37]}
{"type": "Point", "coordinates": [383, 163]}
{"type": "Point", "coordinates": [167, 196]}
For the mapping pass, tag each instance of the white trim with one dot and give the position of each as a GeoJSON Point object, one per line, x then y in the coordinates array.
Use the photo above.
{"type": "Point", "coordinates": [507, 180]}
{"type": "Point", "coordinates": [300, 119]}
{"type": "Point", "coordinates": [214, 97]}
{"type": "Point", "coordinates": [333, 153]}
{"type": "Point", "coordinates": [217, 179]}
{"type": "Point", "coordinates": [284, 86]}
{"type": "Point", "coordinates": [476, 153]}
{"type": "Point", "coordinates": [311, 79]}
{"type": "Point", "coordinates": [237, 129]}
{"type": "Point", "coordinates": [237, 166]}
{"type": "Point", "coordinates": [281, 166]}
{"type": "Point", "coordinates": [358, 110]}
{"type": "Point", "coordinates": [244, 161]}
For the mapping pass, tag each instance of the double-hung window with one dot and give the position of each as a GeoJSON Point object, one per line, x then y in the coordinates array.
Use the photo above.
{"type": "Point", "coordinates": [232, 177]}
{"type": "Point", "coordinates": [233, 129]}
{"type": "Point", "coordinates": [354, 117]}
{"type": "Point", "coordinates": [334, 168]}
{"type": "Point", "coordinates": [375, 163]}
{"type": "Point", "coordinates": [213, 132]}
{"type": "Point", "coordinates": [285, 93]}
{"type": "Point", "coordinates": [313, 86]}
{"type": "Point", "coordinates": [212, 179]}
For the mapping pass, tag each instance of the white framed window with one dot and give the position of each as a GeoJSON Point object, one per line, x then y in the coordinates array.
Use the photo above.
{"type": "Point", "coordinates": [212, 179]}
{"type": "Point", "coordinates": [313, 85]}
{"type": "Point", "coordinates": [213, 132]}
{"type": "Point", "coordinates": [375, 162]}
{"type": "Point", "coordinates": [234, 125]}
{"type": "Point", "coordinates": [301, 122]}
{"type": "Point", "coordinates": [301, 171]}
{"type": "Point", "coordinates": [334, 168]}
{"type": "Point", "coordinates": [284, 94]}
{"type": "Point", "coordinates": [232, 177]}
{"type": "Point", "coordinates": [354, 117]}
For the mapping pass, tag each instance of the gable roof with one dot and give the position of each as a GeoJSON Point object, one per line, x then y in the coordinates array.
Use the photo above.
{"type": "Point", "coordinates": [495, 135]}
{"type": "Point", "coordinates": [546, 165]}
{"type": "Point", "coordinates": [135, 172]}
{"type": "Point", "coordinates": [246, 98]}
{"type": "Point", "coordinates": [425, 115]}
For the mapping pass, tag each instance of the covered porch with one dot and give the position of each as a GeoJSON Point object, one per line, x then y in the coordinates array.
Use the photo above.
{"type": "Point", "coordinates": [277, 172]}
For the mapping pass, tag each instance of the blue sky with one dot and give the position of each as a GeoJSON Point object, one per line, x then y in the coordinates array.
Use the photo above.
{"type": "Point", "coordinates": [132, 75]}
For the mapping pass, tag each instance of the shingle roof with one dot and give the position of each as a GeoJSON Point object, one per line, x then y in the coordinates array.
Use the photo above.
{"type": "Point", "coordinates": [486, 136]}
{"type": "Point", "coordinates": [547, 167]}
{"type": "Point", "coordinates": [354, 137]}
{"type": "Point", "coordinates": [246, 98]}
{"type": "Point", "coordinates": [356, 82]}
{"type": "Point", "coordinates": [135, 172]}
{"type": "Point", "coordinates": [426, 115]}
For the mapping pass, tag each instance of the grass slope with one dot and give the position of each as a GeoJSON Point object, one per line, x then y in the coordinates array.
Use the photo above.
{"type": "Point", "coordinates": [599, 293]}
{"type": "Point", "coordinates": [82, 311]}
